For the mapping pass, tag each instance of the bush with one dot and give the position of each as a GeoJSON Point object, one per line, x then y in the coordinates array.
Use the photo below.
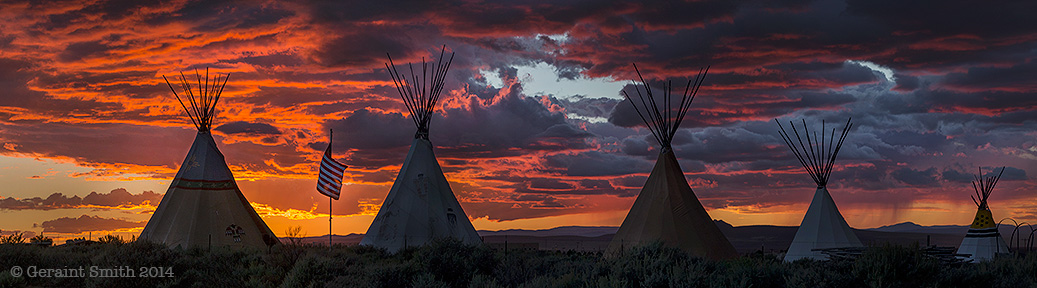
{"type": "Point", "coordinates": [14, 238]}
{"type": "Point", "coordinates": [453, 264]}
{"type": "Point", "coordinates": [896, 266]}
{"type": "Point", "coordinates": [109, 239]}
{"type": "Point", "coordinates": [41, 240]}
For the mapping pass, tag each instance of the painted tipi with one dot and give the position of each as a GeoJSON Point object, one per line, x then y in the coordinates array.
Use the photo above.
{"type": "Point", "coordinates": [823, 226]}
{"type": "Point", "coordinates": [667, 210]}
{"type": "Point", "coordinates": [203, 206]}
{"type": "Point", "coordinates": [420, 206]}
{"type": "Point", "coordinates": [983, 241]}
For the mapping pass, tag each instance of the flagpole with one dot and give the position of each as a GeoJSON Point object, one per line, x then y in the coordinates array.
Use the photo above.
{"type": "Point", "coordinates": [329, 221]}
{"type": "Point", "coordinates": [331, 134]}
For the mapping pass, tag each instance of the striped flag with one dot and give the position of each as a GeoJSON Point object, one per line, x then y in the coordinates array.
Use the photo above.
{"type": "Point", "coordinates": [330, 181]}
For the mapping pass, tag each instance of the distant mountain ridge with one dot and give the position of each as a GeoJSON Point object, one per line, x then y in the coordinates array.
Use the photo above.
{"type": "Point", "coordinates": [745, 238]}
{"type": "Point", "coordinates": [911, 227]}
{"type": "Point", "coordinates": [582, 231]}
{"type": "Point", "coordinates": [914, 227]}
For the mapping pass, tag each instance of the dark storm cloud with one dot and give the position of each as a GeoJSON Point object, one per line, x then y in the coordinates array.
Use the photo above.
{"type": "Point", "coordinates": [240, 16]}
{"type": "Point", "coordinates": [78, 51]}
{"type": "Point", "coordinates": [15, 76]}
{"type": "Point", "coordinates": [588, 107]}
{"type": "Point", "coordinates": [348, 11]}
{"type": "Point", "coordinates": [917, 178]}
{"type": "Point", "coordinates": [373, 130]}
{"type": "Point", "coordinates": [729, 108]}
{"type": "Point", "coordinates": [1016, 78]}
{"type": "Point", "coordinates": [489, 123]}
{"type": "Point", "coordinates": [821, 76]}
{"type": "Point", "coordinates": [929, 140]}
{"type": "Point", "coordinates": [271, 60]}
{"type": "Point", "coordinates": [343, 51]}
{"type": "Point", "coordinates": [594, 163]}
{"type": "Point", "coordinates": [718, 145]}
{"type": "Point", "coordinates": [1011, 173]}
{"type": "Point", "coordinates": [548, 184]}
{"type": "Point", "coordinates": [906, 83]}
{"type": "Point", "coordinates": [639, 146]}
{"type": "Point", "coordinates": [103, 143]}
{"type": "Point", "coordinates": [941, 100]}
{"type": "Point", "coordinates": [961, 90]}
{"type": "Point", "coordinates": [242, 127]}
{"type": "Point", "coordinates": [956, 176]}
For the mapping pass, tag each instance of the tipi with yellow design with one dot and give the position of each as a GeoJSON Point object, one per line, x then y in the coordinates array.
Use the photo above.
{"type": "Point", "coordinates": [983, 241]}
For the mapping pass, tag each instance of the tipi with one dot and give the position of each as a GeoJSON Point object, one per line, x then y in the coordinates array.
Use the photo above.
{"type": "Point", "coordinates": [823, 226]}
{"type": "Point", "coordinates": [420, 206]}
{"type": "Point", "coordinates": [983, 241]}
{"type": "Point", "coordinates": [666, 210]}
{"type": "Point", "coordinates": [203, 206]}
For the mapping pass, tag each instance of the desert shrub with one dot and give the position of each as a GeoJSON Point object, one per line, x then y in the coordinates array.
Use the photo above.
{"type": "Point", "coordinates": [520, 266]}
{"type": "Point", "coordinates": [1010, 271]}
{"type": "Point", "coordinates": [656, 265]}
{"type": "Point", "coordinates": [812, 273]}
{"type": "Point", "coordinates": [13, 238]}
{"type": "Point", "coordinates": [453, 264]}
{"type": "Point", "coordinates": [483, 281]}
{"type": "Point", "coordinates": [427, 280]}
{"type": "Point", "coordinates": [317, 267]}
{"type": "Point", "coordinates": [110, 239]}
{"type": "Point", "coordinates": [6, 280]}
{"type": "Point", "coordinates": [895, 266]}
{"type": "Point", "coordinates": [41, 240]}
{"type": "Point", "coordinates": [754, 270]}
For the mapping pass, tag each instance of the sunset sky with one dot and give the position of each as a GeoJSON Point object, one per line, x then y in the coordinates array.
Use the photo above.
{"type": "Point", "coordinates": [528, 130]}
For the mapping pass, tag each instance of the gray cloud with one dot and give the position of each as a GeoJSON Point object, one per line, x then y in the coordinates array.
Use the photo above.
{"type": "Point", "coordinates": [114, 199]}
{"type": "Point", "coordinates": [87, 223]}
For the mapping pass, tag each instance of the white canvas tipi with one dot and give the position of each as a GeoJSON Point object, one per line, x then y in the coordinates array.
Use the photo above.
{"type": "Point", "coordinates": [823, 226]}
{"type": "Point", "coordinates": [667, 210]}
{"type": "Point", "coordinates": [983, 241]}
{"type": "Point", "coordinates": [420, 206]}
{"type": "Point", "coordinates": [203, 206]}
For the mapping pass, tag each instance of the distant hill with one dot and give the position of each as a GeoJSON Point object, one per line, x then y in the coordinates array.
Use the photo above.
{"type": "Point", "coordinates": [583, 231]}
{"type": "Point", "coordinates": [911, 227]}
{"type": "Point", "coordinates": [745, 238]}
{"type": "Point", "coordinates": [915, 228]}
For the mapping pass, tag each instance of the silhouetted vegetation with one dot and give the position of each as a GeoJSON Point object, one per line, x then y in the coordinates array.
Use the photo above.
{"type": "Point", "coordinates": [13, 238]}
{"type": "Point", "coordinates": [451, 264]}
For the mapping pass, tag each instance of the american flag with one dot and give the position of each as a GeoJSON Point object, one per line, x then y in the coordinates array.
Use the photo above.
{"type": "Point", "coordinates": [330, 180]}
